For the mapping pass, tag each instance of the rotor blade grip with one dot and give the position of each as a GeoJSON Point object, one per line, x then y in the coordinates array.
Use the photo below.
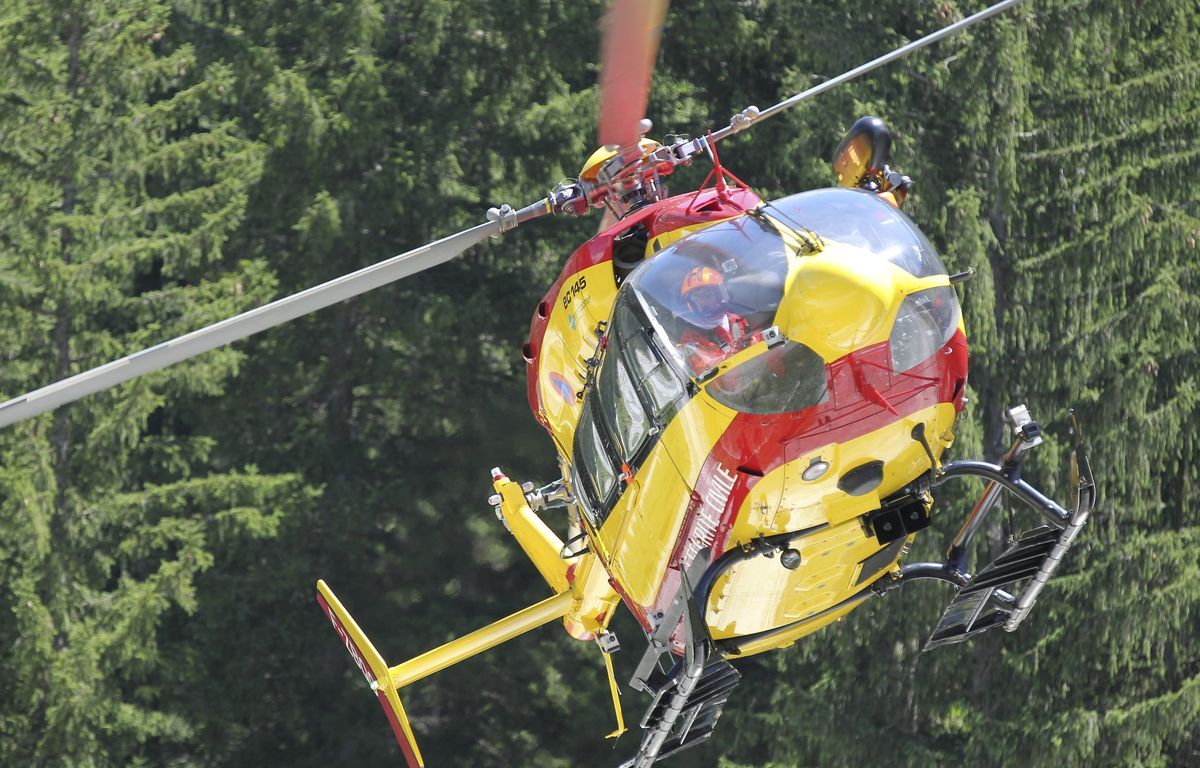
{"type": "Point", "coordinates": [240, 326]}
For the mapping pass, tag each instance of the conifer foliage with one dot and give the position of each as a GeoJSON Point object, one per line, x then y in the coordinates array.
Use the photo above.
{"type": "Point", "coordinates": [167, 163]}
{"type": "Point", "coordinates": [121, 177]}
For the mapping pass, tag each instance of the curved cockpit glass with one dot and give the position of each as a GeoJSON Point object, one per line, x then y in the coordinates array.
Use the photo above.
{"type": "Point", "coordinates": [788, 377]}
{"type": "Point", "coordinates": [713, 292]}
{"type": "Point", "coordinates": [858, 218]}
{"type": "Point", "coordinates": [636, 392]}
{"type": "Point", "coordinates": [716, 292]}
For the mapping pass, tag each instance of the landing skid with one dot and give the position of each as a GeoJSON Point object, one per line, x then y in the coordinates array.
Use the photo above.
{"type": "Point", "coordinates": [982, 601]}
{"type": "Point", "coordinates": [686, 700]}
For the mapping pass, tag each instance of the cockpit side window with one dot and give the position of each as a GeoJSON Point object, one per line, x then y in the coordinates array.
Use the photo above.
{"type": "Point", "coordinates": [621, 405]}
{"type": "Point", "coordinates": [593, 465]}
{"type": "Point", "coordinates": [924, 323]}
{"type": "Point", "coordinates": [789, 377]}
{"type": "Point", "coordinates": [648, 369]}
{"type": "Point", "coordinates": [710, 294]}
{"type": "Point", "coordinates": [636, 393]}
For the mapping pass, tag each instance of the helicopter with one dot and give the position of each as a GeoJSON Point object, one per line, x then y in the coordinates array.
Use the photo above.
{"type": "Point", "coordinates": [750, 402]}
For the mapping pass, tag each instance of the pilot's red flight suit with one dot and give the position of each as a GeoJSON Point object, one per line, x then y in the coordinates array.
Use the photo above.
{"type": "Point", "coordinates": [704, 349]}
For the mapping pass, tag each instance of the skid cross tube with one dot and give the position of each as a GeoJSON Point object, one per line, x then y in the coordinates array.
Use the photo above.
{"type": "Point", "coordinates": [763, 546]}
{"type": "Point", "coordinates": [1027, 435]}
{"type": "Point", "coordinates": [912, 571]}
{"type": "Point", "coordinates": [947, 572]}
{"type": "Point", "coordinates": [1049, 509]}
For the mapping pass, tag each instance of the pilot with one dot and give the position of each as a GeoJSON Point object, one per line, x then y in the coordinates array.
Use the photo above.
{"type": "Point", "coordinates": [724, 332]}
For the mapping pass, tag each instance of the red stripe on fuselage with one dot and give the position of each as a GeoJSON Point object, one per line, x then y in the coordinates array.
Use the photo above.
{"type": "Point", "coordinates": [754, 445]}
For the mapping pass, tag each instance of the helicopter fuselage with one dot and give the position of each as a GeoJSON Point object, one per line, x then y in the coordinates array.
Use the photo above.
{"type": "Point", "coordinates": [809, 426]}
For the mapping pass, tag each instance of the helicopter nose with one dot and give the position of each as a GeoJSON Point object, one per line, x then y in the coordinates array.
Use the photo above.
{"type": "Point", "coordinates": [837, 301]}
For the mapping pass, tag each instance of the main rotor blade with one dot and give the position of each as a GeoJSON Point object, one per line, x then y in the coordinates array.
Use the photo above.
{"type": "Point", "coordinates": [243, 325]}
{"type": "Point", "coordinates": [752, 115]}
{"type": "Point", "coordinates": [632, 29]}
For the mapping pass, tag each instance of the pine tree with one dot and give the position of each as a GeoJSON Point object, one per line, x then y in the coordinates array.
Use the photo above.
{"type": "Point", "coordinates": [121, 179]}
{"type": "Point", "coordinates": [163, 165]}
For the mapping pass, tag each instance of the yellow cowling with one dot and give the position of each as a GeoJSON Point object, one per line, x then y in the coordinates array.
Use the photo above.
{"type": "Point", "coordinates": [602, 155]}
{"type": "Point", "coordinates": [834, 303]}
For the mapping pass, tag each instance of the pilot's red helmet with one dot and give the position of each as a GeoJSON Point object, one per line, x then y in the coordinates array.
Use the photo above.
{"type": "Point", "coordinates": [700, 277]}
{"type": "Point", "coordinates": [703, 290]}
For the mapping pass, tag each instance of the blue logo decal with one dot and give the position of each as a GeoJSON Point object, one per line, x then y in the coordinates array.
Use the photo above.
{"type": "Point", "coordinates": [562, 387]}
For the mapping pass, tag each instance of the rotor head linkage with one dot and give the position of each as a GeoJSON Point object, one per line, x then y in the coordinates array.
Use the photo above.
{"type": "Point", "coordinates": [510, 219]}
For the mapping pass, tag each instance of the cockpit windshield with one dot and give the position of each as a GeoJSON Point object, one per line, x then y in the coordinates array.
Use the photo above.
{"type": "Point", "coordinates": [861, 219]}
{"type": "Point", "coordinates": [713, 292]}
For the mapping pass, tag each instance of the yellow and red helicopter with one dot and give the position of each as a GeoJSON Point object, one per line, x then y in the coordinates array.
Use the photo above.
{"type": "Point", "coordinates": [750, 402]}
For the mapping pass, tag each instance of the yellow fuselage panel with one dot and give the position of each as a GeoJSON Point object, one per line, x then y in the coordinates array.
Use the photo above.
{"type": "Point", "coordinates": [793, 633]}
{"type": "Point", "coordinates": [843, 298]}
{"type": "Point", "coordinates": [641, 532]}
{"type": "Point", "coordinates": [783, 501]}
{"type": "Point", "coordinates": [759, 594]}
{"type": "Point", "coordinates": [586, 300]}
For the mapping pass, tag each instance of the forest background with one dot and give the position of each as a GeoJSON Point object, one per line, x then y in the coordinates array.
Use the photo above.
{"type": "Point", "coordinates": [165, 163]}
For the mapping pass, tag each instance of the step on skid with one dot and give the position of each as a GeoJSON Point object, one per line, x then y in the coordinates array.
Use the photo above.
{"type": "Point", "coordinates": [686, 699]}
